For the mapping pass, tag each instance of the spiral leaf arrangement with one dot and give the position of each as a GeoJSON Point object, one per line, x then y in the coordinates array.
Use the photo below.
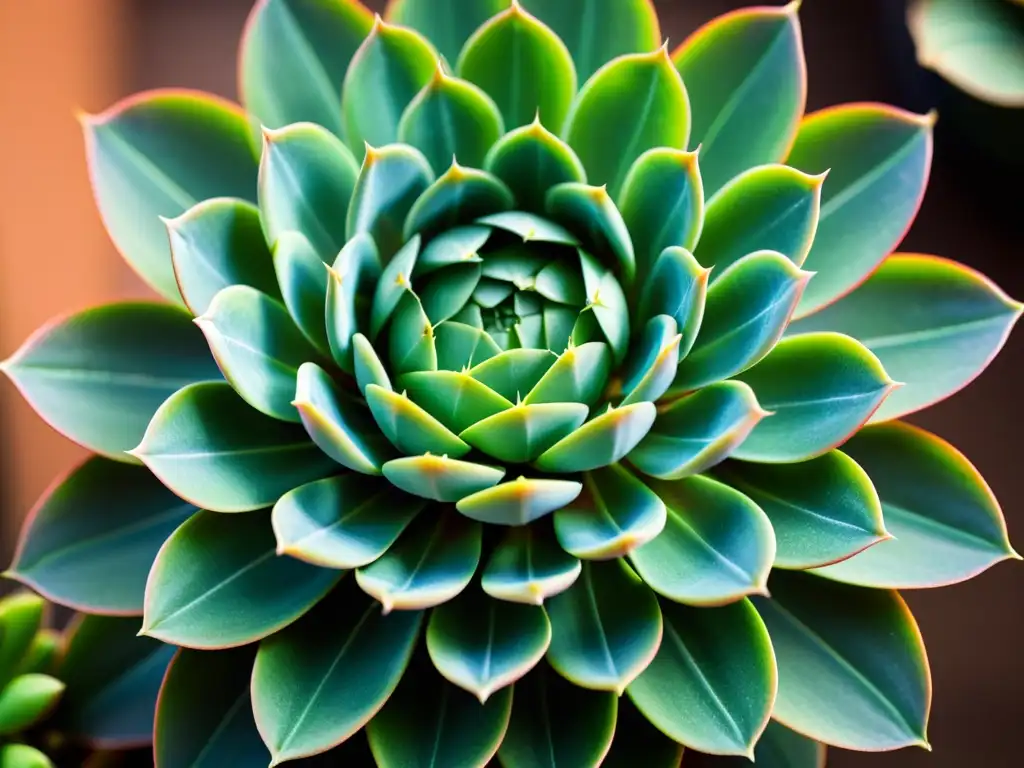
{"type": "Point", "coordinates": [522, 390]}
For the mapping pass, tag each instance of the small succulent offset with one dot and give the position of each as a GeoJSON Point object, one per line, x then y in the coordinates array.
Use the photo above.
{"type": "Point", "coordinates": [83, 697]}
{"type": "Point", "coordinates": [553, 405]}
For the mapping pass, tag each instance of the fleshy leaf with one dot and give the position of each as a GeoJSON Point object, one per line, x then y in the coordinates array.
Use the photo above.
{"type": "Point", "coordinates": [390, 181]}
{"type": "Point", "coordinates": [393, 285]}
{"type": "Point", "coordinates": [596, 31]}
{"type": "Point", "coordinates": [218, 243]}
{"type": "Point", "coordinates": [258, 348]}
{"type": "Point", "coordinates": [112, 678]}
{"type": "Point", "coordinates": [696, 432]}
{"type": "Point", "coordinates": [768, 208]}
{"type": "Point", "coordinates": [656, 358]}
{"type": "Point", "coordinates": [943, 324]}
{"type": "Point", "coordinates": [822, 511]}
{"type": "Point", "coordinates": [946, 522]}
{"type": "Point", "coordinates": [702, 558]}
{"type": "Point", "coordinates": [461, 346]}
{"type": "Point", "coordinates": [635, 735]}
{"type": "Point", "coordinates": [778, 747]}
{"type": "Point", "coordinates": [306, 180]}
{"type": "Point", "coordinates": [632, 104]}
{"type": "Point", "coordinates": [429, 722]}
{"type": "Point", "coordinates": [217, 583]}
{"type": "Point", "coordinates": [458, 197]}
{"type": "Point", "coordinates": [878, 158]}
{"type": "Point", "coordinates": [523, 65]}
{"type": "Point", "coordinates": [601, 441]}
{"type": "Point", "coordinates": [819, 389]}
{"type": "Point", "coordinates": [617, 514]}
{"type": "Point", "coordinates": [445, 294]}
{"type": "Point", "coordinates": [23, 756]}
{"type": "Point", "coordinates": [528, 566]}
{"type": "Point", "coordinates": [21, 615]}
{"type": "Point", "coordinates": [390, 67]}
{"type": "Point", "coordinates": [514, 371]}
{"type": "Point", "coordinates": [677, 286]}
{"type": "Point", "coordinates": [712, 683]}
{"type": "Point", "coordinates": [450, 118]}
{"type": "Point", "coordinates": [350, 286]}
{"type": "Point", "coordinates": [440, 478]}
{"type": "Point", "coordinates": [97, 377]}
{"type": "Point", "coordinates": [852, 666]}
{"type": "Point", "coordinates": [157, 154]}
{"type": "Point", "coordinates": [91, 540]}
{"type": "Point", "coordinates": [368, 367]}
{"type": "Point", "coordinates": [27, 699]}
{"type": "Point", "coordinates": [531, 160]}
{"type": "Point", "coordinates": [483, 645]}
{"type": "Point", "coordinates": [454, 398]}
{"type": "Point", "coordinates": [302, 276]}
{"type": "Point", "coordinates": [747, 80]}
{"type": "Point", "coordinates": [591, 213]}
{"type": "Point", "coordinates": [294, 55]}
{"type": "Point", "coordinates": [578, 375]}
{"type": "Point", "coordinates": [315, 684]}
{"type": "Point", "coordinates": [662, 204]}
{"type": "Point", "coordinates": [607, 304]}
{"type": "Point", "coordinates": [747, 310]}
{"type": "Point", "coordinates": [605, 628]}
{"type": "Point", "coordinates": [410, 428]}
{"type": "Point", "coordinates": [519, 501]}
{"type": "Point", "coordinates": [204, 714]}
{"type": "Point", "coordinates": [456, 246]}
{"type": "Point", "coordinates": [342, 522]}
{"type": "Point", "coordinates": [432, 562]}
{"type": "Point", "coordinates": [523, 432]}
{"type": "Point", "coordinates": [530, 227]}
{"type": "Point", "coordinates": [448, 23]}
{"type": "Point", "coordinates": [555, 723]}
{"type": "Point", "coordinates": [209, 447]}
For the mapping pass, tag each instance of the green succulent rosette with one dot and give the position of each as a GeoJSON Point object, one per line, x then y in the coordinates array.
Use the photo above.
{"type": "Point", "coordinates": [523, 391]}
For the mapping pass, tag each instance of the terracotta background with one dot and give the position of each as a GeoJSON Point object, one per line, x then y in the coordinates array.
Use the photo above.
{"type": "Point", "coordinates": [56, 55]}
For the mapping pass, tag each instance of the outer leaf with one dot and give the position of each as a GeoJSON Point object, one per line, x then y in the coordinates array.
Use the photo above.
{"type": "Point", "coordinates": [318, 682]}
{"type": "Point", "coordinates": [878, 158]}
{"type": "Point", "coordinates": [390, 67]}
{"type": "Point", "coordinates": [303, 280]}
{"type": "Point", "coordinates": [605, 629]}
{"type": "Point", "coordinates": [91, 540]}
{"type": "Point", "coordinates": [258, 348]}
{"type": "Point", "coordinates": [432, 562]}
{"type": "Point", "coordinates": [428, 722]}
{"type": "Point", "coordinates": [601, 441]}
{"type": "Point", "coordinates": [555, 723]}
{"type": "Point", "coordinates": [27, 699]}
{"type": "Point", "coordinates": [204, 713]}
{"type": "Point", "coordinates": [820, 388]}
{"type": "Point", "coordinates": [157, 154]}
{"type": "Point", "coordinates": [519, 501]}
{"type": "Point", "coordinates": [677, 286]}
{"type": "Point", "coordinates": [482, 645]}
{"type": "Point", "coordinates": [23, 756]}
{"type": "Point", "coordinates": [634, 735]}
{"type": "Point", "coordinates": [597, 31]}
{"type": "Point", "coordinates": [696, 432]}
{"type": "Point", "coordinates": [209, 447]}
{"type": "Point", "coordinates": [701, 558]}
{"type": "Point", "coordinates": [778, 747]}
{"type": "Point", "coordinates": [531, 160]}
{"type": "Point", "coordinates": [341, 522]}
{"type": "Point", "coordinates": [112, 678]}
{"type": "Point", "coordinates": [662, 204]}
{"type": "Point", "coordinates": [590, 212]}
{"type": "Point", "coordinates": [451, 118]}
{"type": "Point", "coordinates": [294, 54]}
{"type": "Point", "coordinates": [217, 243]}
{"type": "Point", "coordinates": [852, 666]}
{"type": "Point", "coordinates": [942, 325]}
{"type": "Point", "coordinates": [822, 511]}
{"type": "Point", "coordinates": [523, 66]}
{"type": "Point", "coordinates": [217, 583]}
{"type": "Point", "coordinates": [440, 478]}
{"type": "Point", "coordinates": [410, 428]}
{"type": "Point", "coordinates": [747, 80]}
{"type": "Point", "coordinates": [97, 377]}
{"type": "Point", "coordinates": [946, 522]}
{"type": "Point", "coordinates": [20, 618]}
{"type": "Point", "coordinates": [528, 566]}
{"type": "Point", "coordinates": [306, 180]}
{"type": "Point", "coordinates": [390, 181]}
{"type": "Point", "coordinates": [447, 24]}
{"type": "Point", "coordinates": [747, 311]}
{"type": "Point", "coordinates": [713, 681]}
{"type": "Point", "coordinates": [617, 514]}
{"type": "Point", "coordinates": [975, 46]}
{"type": "Point", "coordinates": [42, 652]}
{"type": "Point", "coordinates": [632, 104]}
{"type": "Point", "coordinates": [768, 208]}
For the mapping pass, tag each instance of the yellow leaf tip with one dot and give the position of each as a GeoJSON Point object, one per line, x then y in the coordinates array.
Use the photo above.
{"type": "Point", "coordinates": [792, 8]}
{"type": "Point", "coordinates": [85, 119]}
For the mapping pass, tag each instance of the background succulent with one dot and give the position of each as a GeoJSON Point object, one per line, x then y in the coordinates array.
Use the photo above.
{"type": "Point", "coordinates": [520, 318]}
{"type": "Point", "coordinates": [83, 697]}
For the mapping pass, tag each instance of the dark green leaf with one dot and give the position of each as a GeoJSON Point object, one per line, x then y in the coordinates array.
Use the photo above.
{"type": "Point", "coordinates": [634, 735]}
{"type": "Point", "coordinates": [778, 747]}
{"type": "Point", "coordinates": [852, 666]}
{"type": "Point", "coordinates": [218, 583]}
{"type": "Point", "coordinates": [448, 23]}
{"type": "Point", "coordinates": [97, 376]}
{"type": "Point", "coordinates": [209, 447]}
{"type": "Point", "coordinates": [519, 501]}
{"type": "Point", "coordinates": [601, 441]}
{"type": "Point", "coordinates": [528, 566]}
{"type": "Point", "coordinates": [655, 358]}
{"type": "Point", "coordinates": [459, 196]}
{"type": "Point", "coordinates": [677, 286]}
{"type": "Point", "coordinates": [90, 542]}
{"type": "Point", "coordinates": [531, 160]}
{"type": "Point", "coordinates": [318, 682]}
{"type": "Point", "coordinates": [607, 303]}
{"type": "Point", "coordinates": [156, 154]}
{"type": "Point", "coordinates": [591, 213]}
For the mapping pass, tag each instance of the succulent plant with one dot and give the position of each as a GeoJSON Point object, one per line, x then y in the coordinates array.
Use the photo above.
{"type": "Point", "coordinates": [81, 698]}
{"type": "Point", "coordinates": [547, 366]}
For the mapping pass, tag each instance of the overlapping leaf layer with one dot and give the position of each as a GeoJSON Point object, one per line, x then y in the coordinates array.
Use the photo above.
{"type": "Point", "coordinates": [508, 411]}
